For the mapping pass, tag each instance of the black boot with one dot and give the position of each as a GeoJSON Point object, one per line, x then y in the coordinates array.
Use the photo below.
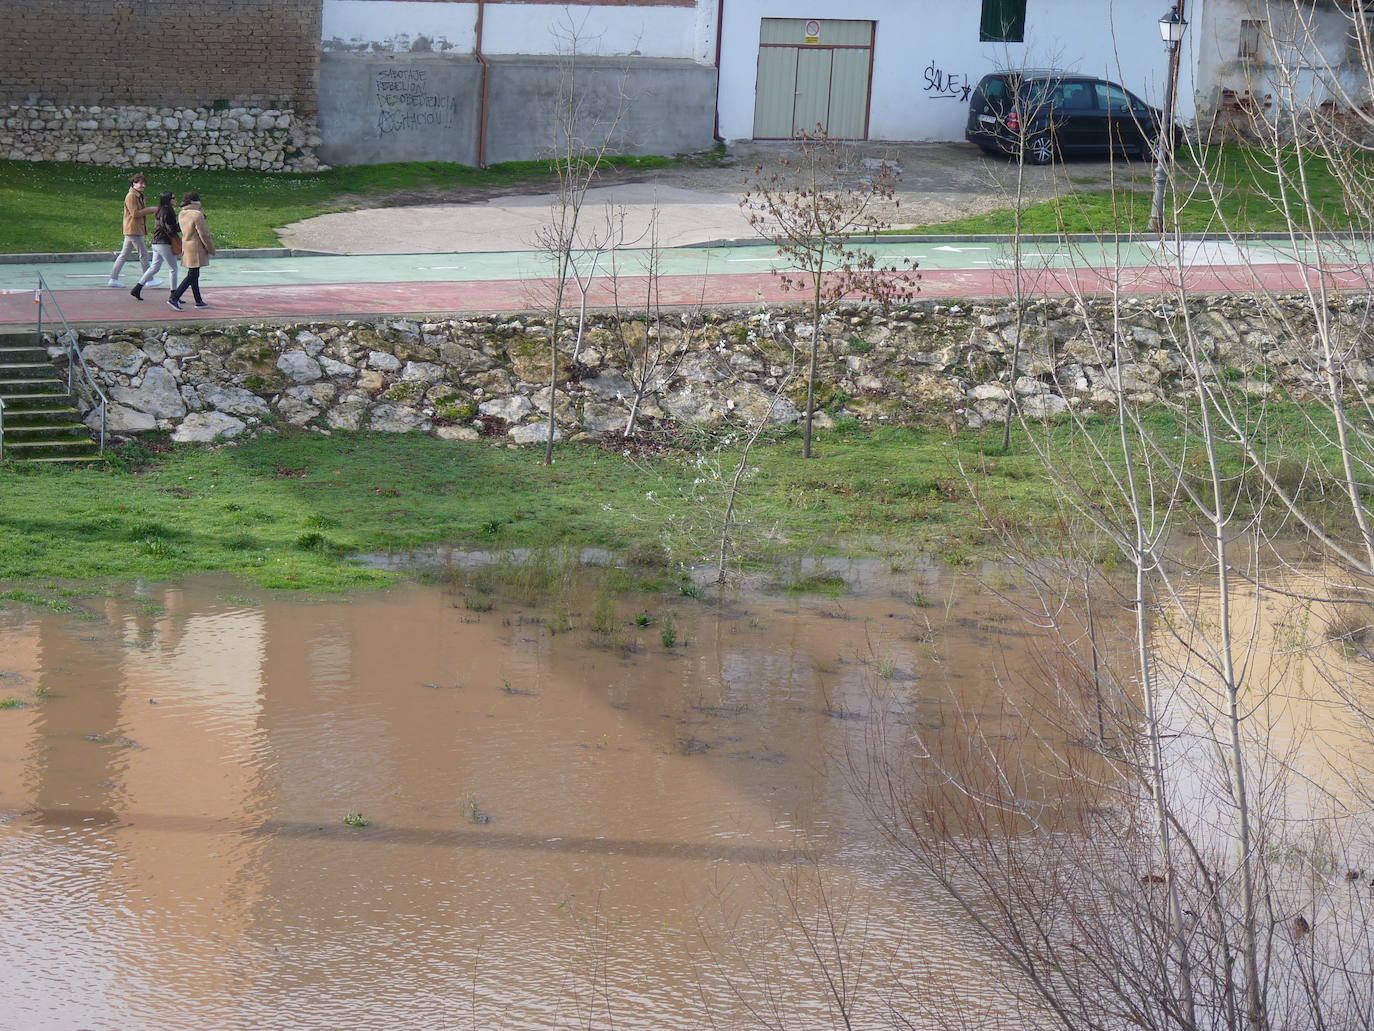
{"type": "Point", "coordinates": [137, 291]}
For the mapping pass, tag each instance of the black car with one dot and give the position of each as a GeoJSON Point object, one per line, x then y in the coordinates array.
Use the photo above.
{"type": "Point", "coordinates": [1044, 114]}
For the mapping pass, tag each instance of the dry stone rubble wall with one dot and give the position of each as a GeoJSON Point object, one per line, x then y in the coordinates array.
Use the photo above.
{"type": "Point", "coordinates": [487, 376]}
{"type": "Point", "coordinates": [133, 136]}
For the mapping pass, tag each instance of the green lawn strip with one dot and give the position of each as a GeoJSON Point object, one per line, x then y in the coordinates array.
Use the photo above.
{"type": "Point", "coordinates": [1246, 190]}
{"type": "Point", "coordinates": [64, 206]}
{"type": "Point", "coordinates": [287, 509]}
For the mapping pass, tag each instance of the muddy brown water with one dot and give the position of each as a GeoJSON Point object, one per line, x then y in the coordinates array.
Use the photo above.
{"type": "Point", "coordinates": [559, 833]}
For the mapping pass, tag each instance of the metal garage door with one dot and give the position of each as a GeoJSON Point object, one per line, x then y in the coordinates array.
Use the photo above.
{"type": "Point", "coordinates": [813, 72]}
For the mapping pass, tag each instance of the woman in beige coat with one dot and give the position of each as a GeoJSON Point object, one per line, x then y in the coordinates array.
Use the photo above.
{"type": "Point", "coordinates": [196, 248]}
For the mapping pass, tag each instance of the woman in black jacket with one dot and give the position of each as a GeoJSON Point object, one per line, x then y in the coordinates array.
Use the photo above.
{"type": "Point", "coordinates": [165, 231]}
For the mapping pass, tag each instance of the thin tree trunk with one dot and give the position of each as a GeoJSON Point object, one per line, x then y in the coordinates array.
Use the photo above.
{"type": "Point", "coordinates": [811, 365]}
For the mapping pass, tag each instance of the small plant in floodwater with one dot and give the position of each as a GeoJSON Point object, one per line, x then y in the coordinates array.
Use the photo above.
{"type": "Point", "coordinates": [603, 619]}
{"type": "Point", "coordinates": [30, 598]}
{"type": "Point", "coordinates": [560, 622]}
{"type": "Point", "coordinates": [42, 692]}
{"type": "Point", "coordinates": [475, 601]}
{"type": "Point", "coordinates": [12, 703]}
{"type": "Point", "coordinates": [543, 572]}
{"type": "Point", "coordinates": [689, 590]}
{"type": "Point", "coordinates": [956, 555]}
{"type": "Point", "coordinates": [644, 619]}
{"type": "Point", "coordinates": [474, 813]}
{"type": "Point", "coordinates": [355, 820]}
{"type": "Point", "coordinates": [887, 667]}
{"type": "Point", "coordinates": [667, 633]}
{"type": "Point", "coordinates": [646, 553]}
{"type": "Point", "coordinates": [818, 583]}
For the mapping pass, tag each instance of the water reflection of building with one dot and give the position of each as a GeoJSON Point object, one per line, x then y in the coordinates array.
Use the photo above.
{"type": "Point", "coordinates": [189, 692]}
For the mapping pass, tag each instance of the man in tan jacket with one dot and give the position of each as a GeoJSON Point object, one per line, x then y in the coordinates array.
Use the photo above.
{"type": "Point", "coordinates": [135, 230]}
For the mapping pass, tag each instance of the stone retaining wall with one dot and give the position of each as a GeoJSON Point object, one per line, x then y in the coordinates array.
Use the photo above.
{"type": "Point", "coordinates": [465, 378]}
{"type": "Point", "coordinates": [131, 136]}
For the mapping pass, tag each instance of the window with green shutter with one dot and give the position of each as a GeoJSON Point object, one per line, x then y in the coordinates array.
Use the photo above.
{"type": "Point", "coordinates": [1004, 21]}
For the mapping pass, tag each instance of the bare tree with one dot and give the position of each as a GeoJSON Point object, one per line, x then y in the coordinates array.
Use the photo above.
{"type": "Point", "coordinates": [649, 340]}
{"type": "Point", "coordinates": [811, 215]}
{"type": "Point", "coordinates": [1173, 844]}
{"type": "Point", "coordinates": [582, 140]}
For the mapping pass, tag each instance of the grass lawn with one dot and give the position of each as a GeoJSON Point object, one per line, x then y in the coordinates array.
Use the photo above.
{"type": "Point", "coordinates": [50, 206]}
{"type": "Point", "coordinates": [1223, 188]}
{"type": "Point", "coordinates": [287, 509]}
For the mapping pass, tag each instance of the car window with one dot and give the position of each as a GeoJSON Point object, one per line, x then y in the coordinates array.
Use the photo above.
{"type": "Point", "coordinates": [1036, 95]}
{"type": "Point", "coordinates": [1074, 96]}
{"type": "Point", "coordinates": [992, 93]}
{"type": "Point", "coordinates": [1112, 99]}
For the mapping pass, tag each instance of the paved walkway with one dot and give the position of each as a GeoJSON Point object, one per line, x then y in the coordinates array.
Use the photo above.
{"type": "Point", "coordinates": [681, 217]}
{"type": "Point", "coordinates": [433, 284]}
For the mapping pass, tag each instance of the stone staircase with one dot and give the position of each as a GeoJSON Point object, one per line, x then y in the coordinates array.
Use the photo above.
{"type": "Point", "coordinates": [41, 420]}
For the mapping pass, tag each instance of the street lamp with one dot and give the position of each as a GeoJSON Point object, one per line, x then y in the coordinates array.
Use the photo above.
{"type": "Point", "coordinates": [1171, 29]}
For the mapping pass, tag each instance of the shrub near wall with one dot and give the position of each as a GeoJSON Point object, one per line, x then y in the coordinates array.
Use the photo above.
{"type": "Point", "coordinates": [461, 378]}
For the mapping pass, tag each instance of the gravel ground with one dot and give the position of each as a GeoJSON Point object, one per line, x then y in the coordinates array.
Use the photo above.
{"type": "Point", "coordinates": [939, 182]}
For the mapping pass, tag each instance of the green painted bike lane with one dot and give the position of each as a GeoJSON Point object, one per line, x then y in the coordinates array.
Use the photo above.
{"type": "Point", "coordinates": [683, 261]}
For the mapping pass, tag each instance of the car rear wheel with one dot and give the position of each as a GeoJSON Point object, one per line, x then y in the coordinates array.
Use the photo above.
{"type": "Point", "coordinates": [1039, 150]}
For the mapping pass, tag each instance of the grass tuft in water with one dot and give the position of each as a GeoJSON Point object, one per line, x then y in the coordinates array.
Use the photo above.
{"type": "Point", "coordinates": [474, 813]}
{"type": "Point", "coordinates": [353, 819]}
{"type": "Point", "coordinates": [478, 601]}
{"type": "Point", "coordinates": [604, 620]}
{"type": "Point", "coordinates": [828, 584]}
{"type": "Point", "coordinates": [667, 633]}
{"type": "Point", "coordinates": [32, 598]}
{"type": "Point", "coordinates": [13, 703]}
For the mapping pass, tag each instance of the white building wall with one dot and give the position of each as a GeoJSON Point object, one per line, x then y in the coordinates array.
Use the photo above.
{"type": "Point", "coordinates": [520, 28]}
{"type": "Point", "coordinates": [927, 51]}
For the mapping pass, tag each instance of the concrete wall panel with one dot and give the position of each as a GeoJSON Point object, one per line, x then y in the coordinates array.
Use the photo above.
{"type": "Point", "coordinates": [670, 105]}
{"type": "Point", "coordinates": [377, 108]}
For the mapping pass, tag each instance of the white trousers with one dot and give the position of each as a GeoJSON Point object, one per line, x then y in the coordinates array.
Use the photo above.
{"type": "Point", "coordinates": [132, 245]}
{"type": "Point", "coordinates": [162, 255]}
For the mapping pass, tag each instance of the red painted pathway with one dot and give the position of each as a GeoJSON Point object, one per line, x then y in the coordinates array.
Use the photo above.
{"type": "Point", "coordinates": [333, 300]}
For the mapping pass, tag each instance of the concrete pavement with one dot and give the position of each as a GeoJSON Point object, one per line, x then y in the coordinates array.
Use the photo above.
{"type": "Point", "coordinates": [683, 217]}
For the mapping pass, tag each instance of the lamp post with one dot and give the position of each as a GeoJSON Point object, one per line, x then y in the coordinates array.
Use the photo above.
{"type": "Point", "coordinates": [1171, 29]}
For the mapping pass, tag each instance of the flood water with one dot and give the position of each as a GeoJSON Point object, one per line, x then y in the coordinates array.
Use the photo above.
{"type": "Point", "coordinates": [562, 829]}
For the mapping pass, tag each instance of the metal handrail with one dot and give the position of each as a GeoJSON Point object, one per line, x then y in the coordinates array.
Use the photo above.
{"type": "Point", "coordinates": [75, 360]}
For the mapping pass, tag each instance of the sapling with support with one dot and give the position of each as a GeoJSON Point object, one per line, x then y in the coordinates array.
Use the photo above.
{"type": "Point", "coordinates": [810, 210]}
